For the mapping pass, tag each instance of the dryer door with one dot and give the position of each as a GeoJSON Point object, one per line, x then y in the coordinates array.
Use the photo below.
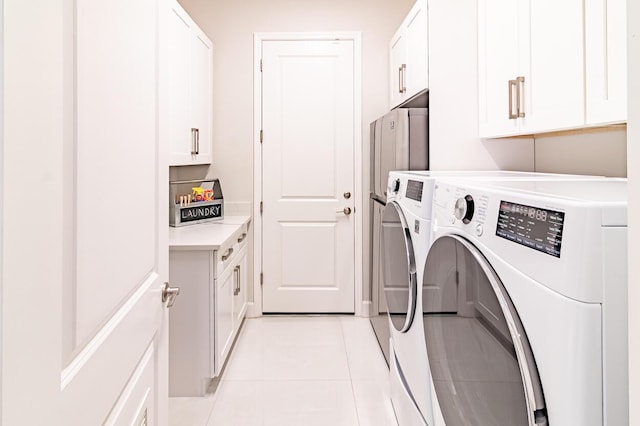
{"type": "Point", "coordinates": [398, 267]}
{"type": "Point", "coordinates": [481, 362]}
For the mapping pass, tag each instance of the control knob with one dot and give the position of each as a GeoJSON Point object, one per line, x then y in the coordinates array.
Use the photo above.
{"type": "Point", "coordinates": [396, 186]}
{"type": "Point", "coordinates": [464, 209]}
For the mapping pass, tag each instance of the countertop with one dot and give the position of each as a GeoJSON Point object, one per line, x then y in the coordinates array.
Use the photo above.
{"type": "Point", "coordinates": [206, 236]}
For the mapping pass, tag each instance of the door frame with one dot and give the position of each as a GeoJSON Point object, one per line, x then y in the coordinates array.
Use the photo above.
{"type": "Point", "coordinates": [254, 308]}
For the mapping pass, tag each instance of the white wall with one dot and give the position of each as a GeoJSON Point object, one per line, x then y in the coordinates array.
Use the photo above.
{"type": "Point", "coordinates": [453, 96]}
{"type": "Point", "coordinates": [597, 152]}
{"type": "Point", "coordinates": [633, 157]}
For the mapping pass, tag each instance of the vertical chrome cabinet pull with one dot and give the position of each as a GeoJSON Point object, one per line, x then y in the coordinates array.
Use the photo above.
{"type": "Point", "coordinates": [197, 141]}
{"type": "Point", "coordinates": [236, 285]}
{"type": "Point", "coordinates": [404, 78]}
{"type": "Point", "coordinates": [512, 85]}
{"type": "Point", "coordinates": [399, 79]}
{"type": "Point", "coordinates": [520, 97]}
{"type": "Point", "coordinates": [193, 141]}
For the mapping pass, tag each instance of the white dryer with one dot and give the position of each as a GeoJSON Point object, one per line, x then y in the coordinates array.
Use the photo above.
{"type": "Point", "coordinates": [539, 330]}
{"type": "Point", "coordinates": [406, 239]}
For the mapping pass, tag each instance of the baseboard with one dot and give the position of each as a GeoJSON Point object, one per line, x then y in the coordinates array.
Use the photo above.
{"type": "Point", "coordinates": [365, 309]}
{"type": "Point", "coordinates": [253, 310]}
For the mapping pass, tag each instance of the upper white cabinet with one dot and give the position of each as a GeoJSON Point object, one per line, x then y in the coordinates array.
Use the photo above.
{"type": "Point", "coordinates": [530, 66]}
{"type": "Point", "coordinates": [409, 55]}
{"type": "Point", "coordinates": [189, 88]}
{"type": "Point", "coordinates": [548, 66]}
{"type": "Point", "coordinates": [606, 61]}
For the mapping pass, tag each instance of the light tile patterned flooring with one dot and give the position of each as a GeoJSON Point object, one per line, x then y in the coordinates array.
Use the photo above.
{"type": "Point", "coordinates": [297, 371]}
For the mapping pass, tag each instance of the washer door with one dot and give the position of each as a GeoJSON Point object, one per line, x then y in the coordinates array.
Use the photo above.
{"type": "Point", "coordinates": [482, 366]}
{"type": "Point", "coordinates": [398, 267]}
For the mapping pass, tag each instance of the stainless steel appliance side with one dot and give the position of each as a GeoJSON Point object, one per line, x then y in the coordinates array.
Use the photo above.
{"type": "Point", "coordinates": [399, 141]}
{"type": "Point", "coordinates": [418, 138]}
{"type": "Point", "coordinates": [380, 322]}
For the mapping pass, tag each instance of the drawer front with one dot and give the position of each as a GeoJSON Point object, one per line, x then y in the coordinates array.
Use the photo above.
{"type": "Point", "coordinates": [225, 257]}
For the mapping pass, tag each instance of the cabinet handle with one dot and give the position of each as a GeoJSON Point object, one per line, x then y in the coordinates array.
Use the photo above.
{"type": "Point", "coordinates": [520, 97]}
{"type": "Point", "coordinates": [404, 76]}
{"type": "Point", "coordinates": [193, 141]}
{"type": "Point", "coordinates": [197, 141]}
{"type": "Point", "coordinates": [242, 237]}
{"type": "Point", "coordinates": [399, 79]}
{"type": "Point", "coordinates": [512, 85]}
{"type": "Point", "coordinates": [236, 289]}
{"type": "Point", "coordinates": [227, 254]}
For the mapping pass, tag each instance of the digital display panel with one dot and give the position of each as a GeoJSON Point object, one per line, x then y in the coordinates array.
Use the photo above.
{"type": "Point", "coordinates": [533, 227]}
{"type": "Point", "coordinates": [414, 190]}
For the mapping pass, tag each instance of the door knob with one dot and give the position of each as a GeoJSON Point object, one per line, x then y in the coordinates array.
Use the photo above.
{"type": "Point", "coordinates": [169, 294]}
{"type": "Point", "coordinates": [347, 195]}
{"type": "Point", "coordinates": [346, 210]}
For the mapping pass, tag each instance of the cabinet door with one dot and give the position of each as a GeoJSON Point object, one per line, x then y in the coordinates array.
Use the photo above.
{"type": "Point", "coordinates": [398, 63]}
{"type": "Point", "coordinates": [177, 85]}
{"type": "Point", "coordinates": [189, 90]}
{"type": "Point", "coordinates": [417, 34]}
{"type": "Point", "coordinates": [190, 360]}
{"type": "Point", "coordinates": [240, 293]}
{"type": "Point", "coordinates": [498, 57]}
{"type": "Point", "coordinates": [201, 95]}
{"type": "Point", "coordinates": [555, 88]}
{"type": "Point", "coordinates": [222, 318]}
{"type": "Point", "coordinates": [606, 61]}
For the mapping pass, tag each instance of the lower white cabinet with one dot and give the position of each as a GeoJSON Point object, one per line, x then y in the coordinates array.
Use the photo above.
{"type": "Point", "coordinates": [208, 313]}
{"type": "Point", "coordinates": [230, 307]}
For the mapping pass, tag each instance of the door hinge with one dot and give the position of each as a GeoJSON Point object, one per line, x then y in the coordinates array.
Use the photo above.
{"type": "Point", "coordinates": [261, 278]}
{"type": "Point", "coordinates": [261, 135]}
{"type": "Point", "coordinates": [260, 65]}
{"type": "Point", "coordinates": [261, 205]}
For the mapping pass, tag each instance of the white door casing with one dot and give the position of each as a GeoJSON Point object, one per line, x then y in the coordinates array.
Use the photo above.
{"type": "Point", "coordinates": [85, 339]}
{"type": "Point", "coordinates": [311, 122]}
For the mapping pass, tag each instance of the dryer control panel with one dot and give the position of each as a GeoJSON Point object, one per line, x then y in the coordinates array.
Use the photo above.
{"type": "Point", "coordinates": [537, 228]}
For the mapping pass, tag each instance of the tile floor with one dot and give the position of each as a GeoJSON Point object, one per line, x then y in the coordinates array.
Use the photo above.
{"type": "Point", "coordinates": [297, 371]}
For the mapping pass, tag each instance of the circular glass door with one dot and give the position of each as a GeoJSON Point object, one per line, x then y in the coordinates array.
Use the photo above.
{"type": "Point", "coordinates": [398, 267]}
{"type": "Point", "coordinates": [481, 362]}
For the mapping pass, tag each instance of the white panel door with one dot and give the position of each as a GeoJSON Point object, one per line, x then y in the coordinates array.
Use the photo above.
{"type": "Point", "coordinates": [555, 85]}
{"type": "Point", "coordinates": [98, 351]}
{"type": "Point", "coordinates": [179, 77]}
{"type": "Point", "coordinates": [201, 91]}
{"type": "Point", "coordinates": [120, 241]}
{"type": "Point", "coordinates": [308, 167]}
{"type": "Point", "coordinates": [606, 61]}
{"type": "Point", "coordinates": [398, 55]}
{"type": "Point", "coordinates": [498, 53]}
{"type": "Point", "coordinates": [417, 74]}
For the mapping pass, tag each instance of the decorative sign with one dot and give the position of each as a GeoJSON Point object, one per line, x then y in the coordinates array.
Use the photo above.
{"type": "Point", "coordinates": [193, 213]}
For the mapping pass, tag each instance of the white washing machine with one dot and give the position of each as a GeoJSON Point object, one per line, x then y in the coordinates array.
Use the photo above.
{"type": "Point", "coordinates": [537, 334]}
{"type": "Point", "coordinates": [406, 238]}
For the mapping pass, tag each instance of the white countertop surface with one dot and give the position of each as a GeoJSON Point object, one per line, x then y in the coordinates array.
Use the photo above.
{"type": "Point", "coordinates": [205, 236]}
